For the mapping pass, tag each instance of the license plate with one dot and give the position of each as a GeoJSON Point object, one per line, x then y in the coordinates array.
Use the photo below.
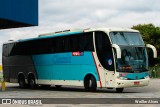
{"type": "Point", "coordinates": [136, 83]}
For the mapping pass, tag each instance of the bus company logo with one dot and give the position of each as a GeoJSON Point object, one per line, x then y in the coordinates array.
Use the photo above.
{"type": "Point", "coordinates": [6, 101]}
{"type": "Point", "coordinates": [77, 53]}
{"type": "Point", "coordinates": [22, 101]}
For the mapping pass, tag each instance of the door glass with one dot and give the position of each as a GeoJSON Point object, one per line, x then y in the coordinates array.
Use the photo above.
{"type": "Point", "coordinates": [104, 50]}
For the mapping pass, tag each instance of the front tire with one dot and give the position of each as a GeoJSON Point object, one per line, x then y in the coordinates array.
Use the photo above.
{"type": "Point", "coordinates": [90, 84]}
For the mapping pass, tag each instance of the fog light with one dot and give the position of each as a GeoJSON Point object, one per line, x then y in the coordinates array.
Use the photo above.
{"type": "Point", "coordinates": [123, 78]}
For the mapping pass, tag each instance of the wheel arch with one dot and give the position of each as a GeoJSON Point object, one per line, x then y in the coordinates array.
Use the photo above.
{"type": "Point", "coordinates": [91, 74]}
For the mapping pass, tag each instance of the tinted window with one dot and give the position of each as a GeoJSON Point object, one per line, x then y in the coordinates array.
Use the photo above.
{"type": "Point", "coordinates": [76, 42]}
{"type": "Point", "coordinates": [67, 44]}
{"type": "Point", "coordinates": [86, 42]}
{"type": "Point", "coordinates": [104, 51]}
{"type": "Point", "coordinates": [32, 47]}
{"type": "Point", "coordinates": [5, 50]}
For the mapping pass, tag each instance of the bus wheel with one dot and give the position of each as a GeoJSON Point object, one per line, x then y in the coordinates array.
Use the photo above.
{"type": "Point", "coordinates": [21, 81]}
{"type": "Point", "coordinates": [119, 90]}
{"type": "Point", "coordinates": [31, 82]}
{"type": "Point", "coordinates": [90, 83]}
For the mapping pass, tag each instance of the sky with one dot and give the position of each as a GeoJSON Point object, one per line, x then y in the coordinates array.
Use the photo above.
{"type": "Point", "coordinates": [57, 15]}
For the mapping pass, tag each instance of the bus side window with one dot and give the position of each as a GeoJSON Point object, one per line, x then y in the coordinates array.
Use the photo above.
{"type": "Point", "coordinates": [59, 45]}
{"type": "Point", "coordinates": [67, 44]}
{"type": "Point", "coordinates": [10, 48]}
{"type": "Point", "coordinates": [75, 43]}
{"type": "Point", "coordinates": [86, 42]}
{"type": "Point", "coordinates": [83, 42]}
{"type": "Point", "coordinates": [53, 45]}
{"type": "Point", "coordinates": [5, 50]}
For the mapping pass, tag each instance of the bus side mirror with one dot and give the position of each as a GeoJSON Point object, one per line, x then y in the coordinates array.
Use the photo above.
{"type": "Point", "coordinates": [153, 49]}
{"type": "Point", "coordinates": [118, 50]}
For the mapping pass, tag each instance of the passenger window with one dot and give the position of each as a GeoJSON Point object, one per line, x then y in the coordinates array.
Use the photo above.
{"type": "Point", "coordinates": [75, 43]}
{"type": "Point", "coordinates": [67, 44]}
{"type": "Point", "coordinates": [5, 50]}
{"type": "Point", "coordinates": [86, 42]}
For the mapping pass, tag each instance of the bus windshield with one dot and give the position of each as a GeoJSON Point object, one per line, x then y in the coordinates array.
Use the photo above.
{"type": "Point", "coordinates": [134, 59]}
{"type": "Point", "coordinates": [126, 38]}
{"type": "Point", "coordinates": [133, 52]}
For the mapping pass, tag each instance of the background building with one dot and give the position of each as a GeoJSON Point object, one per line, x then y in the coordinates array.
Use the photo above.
{"type": "Point", "coordinates": [18, 13]}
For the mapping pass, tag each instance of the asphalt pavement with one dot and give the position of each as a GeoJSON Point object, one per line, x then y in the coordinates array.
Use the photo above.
{"type": "Point", "coordinates": [151, 91]}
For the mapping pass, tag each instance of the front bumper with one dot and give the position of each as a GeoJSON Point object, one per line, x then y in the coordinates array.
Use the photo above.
{"type": "Point", "coordinates": [131, 83]}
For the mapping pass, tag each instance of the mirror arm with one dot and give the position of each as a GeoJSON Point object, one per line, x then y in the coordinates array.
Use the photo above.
{"type": "Point", "coordinates": [153, 49]}
{"type": "Point", "coordinates": [118, 50]}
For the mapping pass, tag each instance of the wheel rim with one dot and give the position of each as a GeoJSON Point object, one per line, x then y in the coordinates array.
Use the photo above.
{"type": "Point", "coordinates": [90, 83]}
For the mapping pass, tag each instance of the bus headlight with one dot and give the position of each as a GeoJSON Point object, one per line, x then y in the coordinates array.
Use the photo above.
{"type": "Point", "coordinates": [123, 78]}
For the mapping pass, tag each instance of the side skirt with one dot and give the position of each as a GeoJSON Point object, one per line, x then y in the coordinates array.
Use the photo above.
{"type": "Point", "coordinates": [63, 82]}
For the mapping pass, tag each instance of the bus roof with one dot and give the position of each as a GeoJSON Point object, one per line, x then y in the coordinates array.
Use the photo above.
{"type": "Point", "coordinates": [68, 32]}
{"type": "Point", "coordinates": [77, 31]}
{"type": "Point", "coordinates": [112, 29]}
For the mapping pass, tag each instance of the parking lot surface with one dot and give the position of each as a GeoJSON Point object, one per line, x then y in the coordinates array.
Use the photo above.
{"type": "Point", "coordinates": [151, 91]}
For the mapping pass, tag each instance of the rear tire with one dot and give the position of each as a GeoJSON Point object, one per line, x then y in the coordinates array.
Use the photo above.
{"type": "Point", "coordinates": [119, 90]}
{"type": "Point", "coordinates": [31, 82]}
{"type": "Point", "coordinates": [21, 81]}
{"type": "Point", "coordinates": [90, 84]}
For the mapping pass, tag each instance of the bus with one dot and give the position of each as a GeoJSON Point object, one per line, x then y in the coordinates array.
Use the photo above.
{"type": "Point", "coordinates": [111, 58]}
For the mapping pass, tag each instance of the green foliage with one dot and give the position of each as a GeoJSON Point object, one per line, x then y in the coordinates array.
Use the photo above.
{"type": "Point", "coordinates": [151, 35]}
{"type": "Point", "coordinates": [155, 71]}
